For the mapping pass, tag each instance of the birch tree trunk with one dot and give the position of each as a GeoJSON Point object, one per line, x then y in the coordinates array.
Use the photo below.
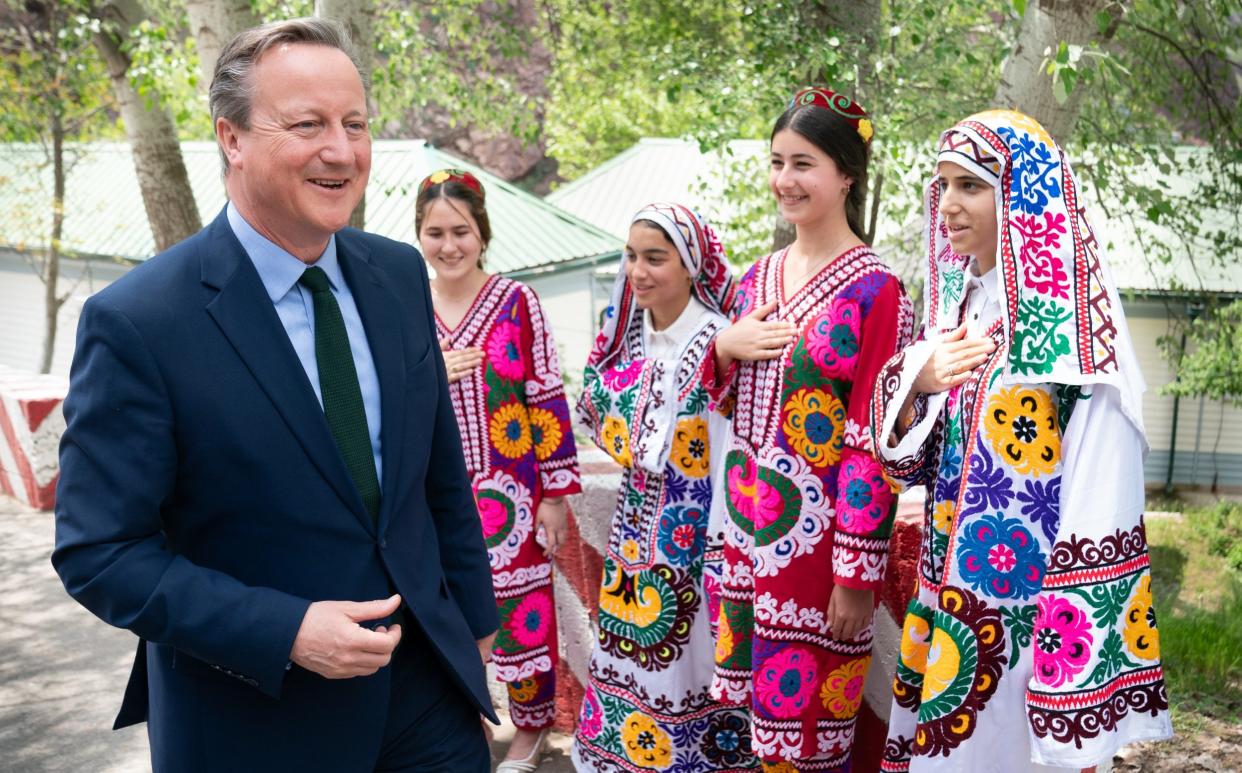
{"type": "Point", "coordinates": [214, 23]}
{"type": "Point", "coordinates": [1025, 85]}
{"type": "Point", "coordinates": [152, 135]}
{"type": "Point", "coordinates": [357, 18]}
{"type": "Point", "coordinates": [51, 264]}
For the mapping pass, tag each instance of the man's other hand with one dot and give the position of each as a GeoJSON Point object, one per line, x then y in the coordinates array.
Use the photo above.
{"type": "Point", "coordinates": [331, 642]}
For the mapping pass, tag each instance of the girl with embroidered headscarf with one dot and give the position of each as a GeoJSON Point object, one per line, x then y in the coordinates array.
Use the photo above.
{"type": "Point", "coordinates": [1020, 413]}
{"type": "Point", "coordinates": [808, 511]}
{"type": "Point", "coordinates": [647, 703]}
{"type": "Point", "coordinates": [505, 385]}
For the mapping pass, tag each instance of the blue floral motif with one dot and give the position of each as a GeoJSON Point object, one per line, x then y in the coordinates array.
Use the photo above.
{"type": "Point", "coordinates": [701, 491]}
{"type": "Point", "coordinates": [1042, 504]}
{"type": "Point", "coordinates": [675, 487]}
{"type": "Point", "coordinates": [727, 741]}
{"type": "Point", "coordinates": [680, 534]}
{"type": "Point", "coordinates": [950, 463]}
{"type": "Point", "coordinates": [987, 488]}
{"type": "Point", "coordinates": [865, 290]}
{"type": "Point", "coordinates": [1035, 169]}
{"type": "Point", "coordinates": [1001, 558]}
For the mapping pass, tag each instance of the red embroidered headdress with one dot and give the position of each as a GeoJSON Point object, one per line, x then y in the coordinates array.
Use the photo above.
{"type": "Point", "coordinates": [453, 176]}
{"type": "Point", "coordinates": [841, 105]}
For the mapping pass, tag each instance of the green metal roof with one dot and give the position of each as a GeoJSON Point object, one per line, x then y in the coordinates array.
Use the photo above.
{"type": "Point", "coordinates": [661, 169]}
{"type": "Point", "coordinates": [105, 214]}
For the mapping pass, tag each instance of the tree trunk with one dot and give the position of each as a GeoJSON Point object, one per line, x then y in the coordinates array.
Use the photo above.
{"type": "Point", "coordinates": [165, 186]}
{"type": "Point", "coordinates": [357, 18]}
{"type": "Point", "coordinates": [857, 23]}
{"type": "Point", "coordinates": [51, 265]}
{"type": "Point", "coordinates": [213, 23]}
{"type": "Point", "coordinates": [1025, 85]}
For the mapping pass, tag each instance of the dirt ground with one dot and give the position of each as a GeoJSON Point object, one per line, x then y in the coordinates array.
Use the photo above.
{"type": "Point", "coordinates": [1215, 746]}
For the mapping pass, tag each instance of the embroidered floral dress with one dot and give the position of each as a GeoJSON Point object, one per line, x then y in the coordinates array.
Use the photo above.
{"type": "Point", "coordinates": [647, 704]}
{"type": "Point", "coordinates": [807, 506]}
{"type": "Point", "coordinates": [519, 448]}
{"type": "Point", "coordinates": [1031, 643]}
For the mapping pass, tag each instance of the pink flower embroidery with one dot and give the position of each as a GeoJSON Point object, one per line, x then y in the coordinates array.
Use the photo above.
{"type": "Point", "coordinates": [591, 718]}
{"type": "Point", "coordinates": [504, 351]}
{"type": "Point", "coordinates": [531, 619]}
{"type": "Point", "coordinates": [786, 681]}
{"type": "Point", "coordinates": [865, 498]}
{"type": "Point", "coordinates": [1062, 641]}
{"type": "Point", "coordinates": [754, 499]}
{"type": "Point", "coordinates": [493, 515]}
{"type": "Point", "coordinates": [832, 339]}
{"type": "Point", "coordinates": [617, 379]}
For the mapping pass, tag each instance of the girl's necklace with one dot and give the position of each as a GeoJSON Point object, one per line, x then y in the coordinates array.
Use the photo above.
{"type": "Point", "coordinates": [832, 253]}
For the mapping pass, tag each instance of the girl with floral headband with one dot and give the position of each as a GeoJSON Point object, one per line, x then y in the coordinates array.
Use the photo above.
{"type": "Point", "coordinates": [647, 704]}
{"type": "Point", "coordinates": [808, 511]}
{"type": "Point", "coordinates": [1020, 412]}
{"type": "Point", "coordinates": [507, 392]}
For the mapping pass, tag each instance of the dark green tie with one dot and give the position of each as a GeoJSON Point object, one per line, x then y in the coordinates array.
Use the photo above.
{"type": "Point", "coordinates": [338, 384]}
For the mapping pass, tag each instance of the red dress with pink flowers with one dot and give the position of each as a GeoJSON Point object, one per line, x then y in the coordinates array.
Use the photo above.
{"type": "Point", "coordinates": [519, 448]}
{"type": "Point", "coordinates": [808, 507]}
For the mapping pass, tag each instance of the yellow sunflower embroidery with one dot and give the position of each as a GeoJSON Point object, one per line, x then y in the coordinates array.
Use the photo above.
{"type": "Point", "coordinates": [545, 432]}
{"type": "Point", "coordinates": [942, 516]}
{"type": "Point", "coordinates": [510, 430]}
{"type": "Point", "coordinates": [778, 767]}
{"type": "Point", "coordinates": [523, 691]}
{"type": "Point", "coordinates": [438, 177]}
{"type": "Point", "coordinates": [814, 425]}
{"type": "Point", "coordinates": [1021, 425]}
{"type": "Point", "coordinates": [629, 550]}
{"type": "Point", "coordinates": [1142, 638]}
{"type": "Point", "coordinates": [616, 438]}
{"type": "Point", "coordinates": [915, 642]}
{"type": "Point", "coordinates": [646, 744]}
{"type": "Point", "coordinates": [841, 693]}
{"type": "Point", "coordinates": [724, 637]}
{"type": "Point", "coordinates": [943, 665]}
{"type": "Point", "coordinates": [689, 452]}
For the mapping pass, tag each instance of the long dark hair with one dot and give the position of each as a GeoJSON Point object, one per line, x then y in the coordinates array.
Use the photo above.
{"type": "Point", "coordinates": [840, 140]}
{"type": "Point", "coordinates": [452, 189]}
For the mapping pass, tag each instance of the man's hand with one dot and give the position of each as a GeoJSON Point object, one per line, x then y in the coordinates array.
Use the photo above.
{"type": "Point", "coordinates": [333, 645]}
{"type": "Point", "coordinates": [485, 654]}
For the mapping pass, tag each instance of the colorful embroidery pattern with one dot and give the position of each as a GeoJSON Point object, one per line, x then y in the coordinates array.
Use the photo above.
{"type": "Point", "coordinates": [963, 670]}
{"type": "Point", "coordinates": [1002, 557]}
{"type": "Point", "coordinates": [518, 448]}
{"type": "Point", "coordinates": [1022, 427]}
{"type": "Point", "coordinates": [802, 494]}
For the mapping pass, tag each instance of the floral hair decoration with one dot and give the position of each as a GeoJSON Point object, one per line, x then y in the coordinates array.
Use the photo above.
{"type": "Point", "coordinates": [459, 176]}
{"type": "Point", "coordinates": [840, 104]}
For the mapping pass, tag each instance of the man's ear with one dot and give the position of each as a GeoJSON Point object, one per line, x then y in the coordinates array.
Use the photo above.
{"type": "Point", "coordinates": [229, 138]}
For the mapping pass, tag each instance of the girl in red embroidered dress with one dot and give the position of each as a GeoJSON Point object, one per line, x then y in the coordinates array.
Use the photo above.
{"type": "Point", "coordinates": [809, 513]}
{"type": "Point", "coordinates": [507, 392]}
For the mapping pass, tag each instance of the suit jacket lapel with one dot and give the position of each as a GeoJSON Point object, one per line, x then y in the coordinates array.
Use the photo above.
{"type": "Point", "coordinates": [382, 318]}
{"type": "Point", "coordinates": [246, 316]}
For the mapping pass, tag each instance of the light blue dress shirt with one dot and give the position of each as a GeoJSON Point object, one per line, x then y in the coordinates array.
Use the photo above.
{"type": "Point", "coordinates": [280, 272]}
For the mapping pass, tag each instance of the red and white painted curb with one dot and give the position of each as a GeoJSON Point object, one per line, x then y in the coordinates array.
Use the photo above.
{"type": "Point", "coordinates": [31, 424]}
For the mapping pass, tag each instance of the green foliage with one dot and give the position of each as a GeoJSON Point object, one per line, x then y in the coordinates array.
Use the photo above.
{"type": "Point", "coordinates": [164, 69]}
{"type": "Point", "coordinates": [1210, 365]}
{"type": "Point", "coordinates": [1199, 608]}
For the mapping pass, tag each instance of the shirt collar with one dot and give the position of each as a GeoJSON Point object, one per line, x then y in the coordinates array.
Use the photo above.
{"type": "Point", "coordinates": [985, 284]}
{"type": "Point", "coordinates": [278, 269]}
{"type": "Point", "coordinates": [683, 326]}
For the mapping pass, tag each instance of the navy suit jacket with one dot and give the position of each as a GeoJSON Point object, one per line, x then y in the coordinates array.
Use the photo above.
{"type": "Point", "coordinates": [203, 504]}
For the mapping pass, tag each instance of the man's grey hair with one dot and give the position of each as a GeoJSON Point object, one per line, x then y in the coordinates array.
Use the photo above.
{"type": "Point", "coordinates": [232, 84]}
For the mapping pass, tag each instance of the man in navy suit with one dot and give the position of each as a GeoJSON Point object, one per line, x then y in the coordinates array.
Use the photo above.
{"type": "Point", "coordinates": [262, 476]}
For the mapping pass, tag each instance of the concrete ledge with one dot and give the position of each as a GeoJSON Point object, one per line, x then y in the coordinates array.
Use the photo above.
{"type": "Point", "coordinates": [31, 424]}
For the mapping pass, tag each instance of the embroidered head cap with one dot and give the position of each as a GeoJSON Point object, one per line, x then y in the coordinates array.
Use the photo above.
{"type": "Point", "coordinates": [840, 104]}
{"type": "Point", "coordinates": [958, 148]}
{"type": "Point", "coordinates": [459, 176]}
